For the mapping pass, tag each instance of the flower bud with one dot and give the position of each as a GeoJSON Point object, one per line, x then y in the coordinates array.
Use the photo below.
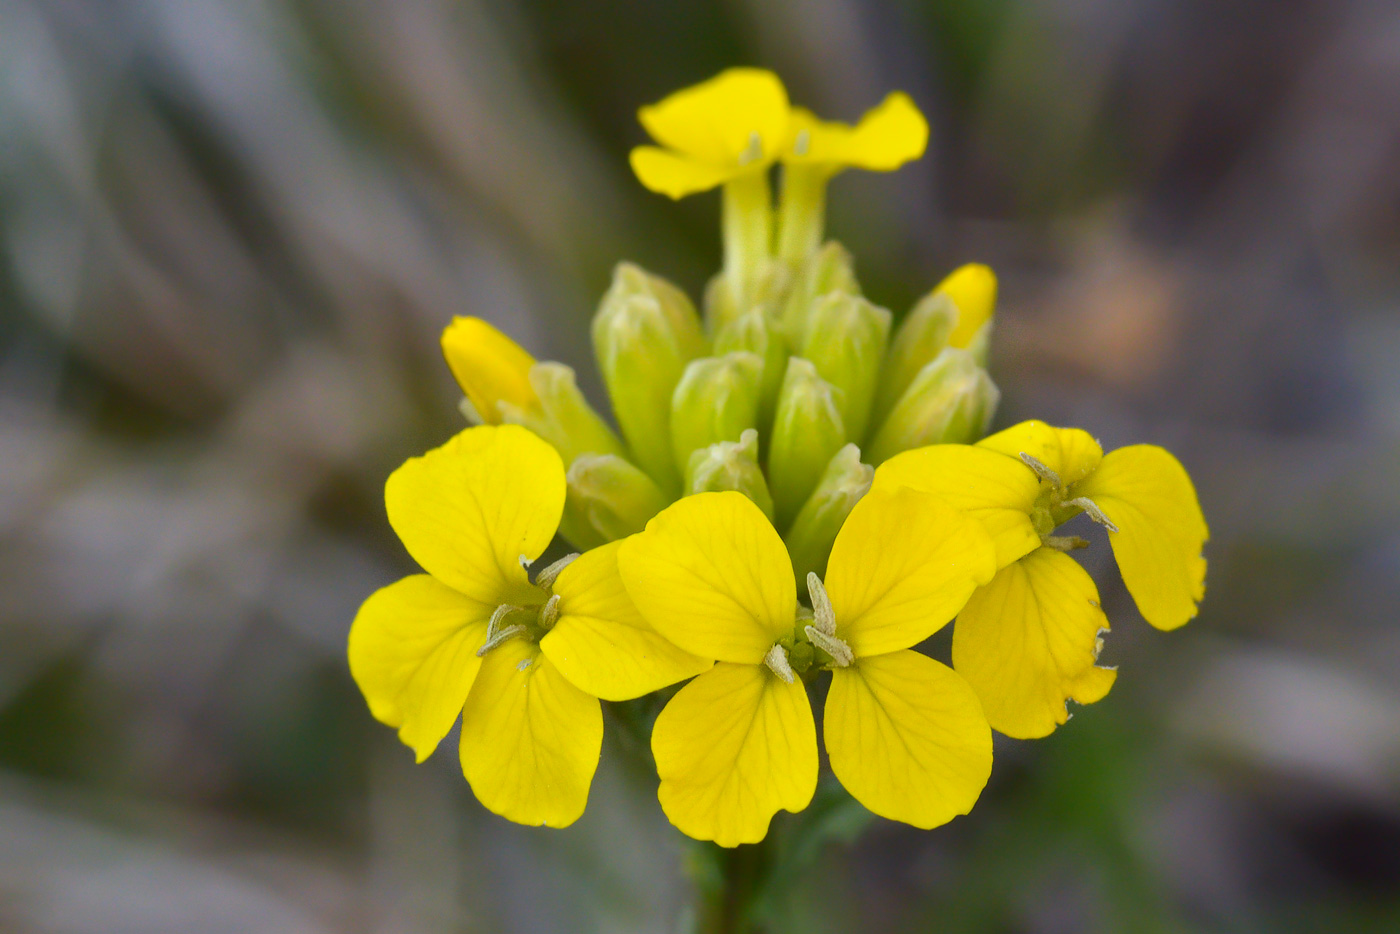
{"type": "Point", "coordinates": [608, 499]}
{"type": "Point", "coordinates": [768, 291]}
{"type": "Point", "coordinates": [918, 339]}
{"type": "Point", "coordinates": [814, 530]}
{"type": "Point", "coordinates": [716, 400]}
{"type": "Point", "coordinates": [561, 415]}
{"type": "Point", "coordinates": [973, 289]}
{"type": "Point", "coordinates": [644, 334]}
{"type": "Point", "coordinates": [730, 465]}
{"type": "Point", "coordinates": [845, 340]}
{"type": "Point", "coordinates": [951, 401]}
{"type": "Point", "coordinates": [829, 269]}
{"type": "Point", "coordinates": [807, 432]}
{"type": "Point", "coordinates": [758, 333]}
{"type": "Point", "coordinates": [490, 368]}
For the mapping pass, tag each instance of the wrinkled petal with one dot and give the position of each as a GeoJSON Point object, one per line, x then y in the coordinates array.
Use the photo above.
{"type": "Point", "coordinates": [1029, 641]}
{"type": "Point", "coordinates": [489, 366]}
{"type": "Point", "coordinates": [714, 121]}
{"type": "Point", "coordinates": [889, 135]}
{"type": "Point", "coordinates": [601, 643]}
{"type": "Point", "coordinates": [996, 491]}
{"type": "Point", "coordinates": [676, 176]}
{"type": "Point", "coordinates": [413, 654]}
{"type": "Point", "coordinates": [973, 290]}
{"type": "Point", "coordinates": [907, 738]}
{"type": "Point", "coordinates": [530, 739]}
{"type": "Point", "coordinates": [1070, 452]}
{"type": "Point", "coordinates": [902, 566]}
{"type": "Point", "coordinates": [711, 574]}
{"type": "Point", "coordinates": [1146, 492]}
{"type": "Point", "coordinates": [732, 748]}
{"type": "Point", "coordinates": [468, 510]}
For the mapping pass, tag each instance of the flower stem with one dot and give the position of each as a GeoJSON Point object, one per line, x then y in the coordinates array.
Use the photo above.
{"type": "Point", "coordinates": [748, 233]}
{"type": "Point", "coordinates": [802, 211]}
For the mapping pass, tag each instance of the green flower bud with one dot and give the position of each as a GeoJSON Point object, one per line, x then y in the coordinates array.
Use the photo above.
{"type": "Point", "coordinates": [814, 531]}
{"type": "Point", "coordinates": [846, 338]}
{"type": "Point", "coordinates": [758, 333]}
{"type": "Point", "coordinates": [807, 432]}
{"type": "Point", "coordinates": [563, 418]}
{"type": "Point", "coordinates": [716, 400]}
{"type": "Point", "coordinates": [918, 339]}
{"type": "Point", "coordinates": [829, 269]}
{"type": "Point", "coordinates": [644, 334]}
{"type": "Point", "coordinates": [608, 499]}
{"type": "Point", "coordinates": [730, 465]}
{"type": "Point", "coordinates": [768, 291]}
{"type": "Point", "coordinates": [951, 401]}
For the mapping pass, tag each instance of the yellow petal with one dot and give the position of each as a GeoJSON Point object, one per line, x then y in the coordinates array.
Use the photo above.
{"type": "Point", "coordinates": [413, 654]}
{"type": "Point", "coordinates": [676, 176]}
{"type": "Point", "coordinates": [468, 510]}
{"type": "Point", "coordinates": [711, 574]}
{"type": "Point", "coordinates": [733, 747]}
{"type": "Point", "coordinates": [907, 738]}
{"type": "Point", "coordinates": [973, 289]}
{"type": "Point", "coordinates": [1146, 492]}
{"type": "Point", "coordinates": [994, 490]}
{"type": "Point", "coordinates": [489, 367]}
{"type": "Point", "coordinates": [1029, 640]}
{"type": "Point", "coordinates": [902, 566]}
{"type": "Point", "coordinates": [714, 122]}
{"type": "Point", "coordinates": [530, 739]}
{"type": "Point", "coordinates": [1070, 452]}
{"type": "Point", "coordinates": [889, 135]}
{"type": "Point", "coordinates": [601, 643]}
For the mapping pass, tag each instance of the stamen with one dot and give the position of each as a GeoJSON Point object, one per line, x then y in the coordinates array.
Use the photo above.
{"type": "Point", "coordinates": [754, 151]}
{"type": "Point", "coordinates": [802, 143]}
{"type": "Point", "coordinates": [498, 617]}
{"type": "Point", "coordinates": [839, 651]}
{"type": "Point", "coordinates": [1041, 471]}
{"type": "Point", "coordinates": [823, 617]}
{"type": "Point", "coordinates": [549, 613]}
{"type": "Point", "coordinates": [777, 662]}
{"type": "Point", "coordinates": [524, 563]}
{"type": "Point", "coordinates": [549, 575]}
{"type": "Point", "coordinates": [1094, 512]}
{"type": "Point", "coordinates": [503, 635]}
{"type": "Point", "coordinates": [1064, 542]}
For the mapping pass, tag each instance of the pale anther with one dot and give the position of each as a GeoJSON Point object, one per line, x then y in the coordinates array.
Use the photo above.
{"type": "Point", "coordinates": [499, 616]}
{"type": "Point", "coordinates": [1093, 511]}
{"type": "Point", "coordinates": [1041, 471]}
{"type": "Point", "coordinates": [777, 661]}
{"type": "Point", "coordinates": [802, 143]}
{"type": "Point", "coordinates": [1064, 542]}
{"type": "Point", "coordinates": [823, 617]}
{"type": "Point", "coordinates": [502, 635]}
{"type": "Point", "coordinates": [839, 651]}
{"type": "Point", "coordinates": [523, 664]}
{"type": "Point", "coordinates": [550, 574]}
{"type": "Point", "coordinates": [549, 612]}
{"type": "Point", "coordinates": [524, 562]}
{"type": "Point", "coordinates": [754, 151]}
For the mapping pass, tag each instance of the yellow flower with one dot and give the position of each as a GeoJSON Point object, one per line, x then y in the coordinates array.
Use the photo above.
{"type": "Point", "coordinates": [889, 135]}
{"type": "Point", "coordinates": [1030, 639]}
{"type": "Point", "coordinates": [973, 291]}
{"type": "Point", "coordinates": [489, 366]}
{"type": "Point", "coordinates": [905, 734]}
{"type": "Point", "coordinates": [734, 124]}
{"type": "Point", "coordinates": [522, 662]}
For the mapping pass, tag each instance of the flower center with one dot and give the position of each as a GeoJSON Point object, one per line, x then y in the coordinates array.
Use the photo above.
{"type": "Point", "coordinates": [528, 621]}
{"type": "Point", "coordinates": [1057, 504]}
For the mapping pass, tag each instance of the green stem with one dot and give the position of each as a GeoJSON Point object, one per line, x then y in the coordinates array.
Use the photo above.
{"type": "Point", "coordinates": [748, 233]}
{"type": "Point", "coordinates": [729, 909]}
{"type": "Point", "coordinates": [802, 211]}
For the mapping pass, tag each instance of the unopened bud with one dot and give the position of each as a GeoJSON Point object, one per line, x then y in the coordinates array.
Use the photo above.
{"type": "Point", "coordinates": [951, 401]}
{"type": "Point", "coordinates": [716, 400]}
{"type": "Point", "coordinates": [730, 465]}
{"type": "Point", "coordinates": [768, 290]}
{"type": "Point", "coordinates": [807, 432]}
{"type": "Point", "coordinates": [919, 338]}
{"type": "Point", "coordinates": [845, 340]}
{"type": "Point", "coordinates": [756, 332]}
{"type": "Point", "coordinates": [644, 334]}
{"type": "Point", "coordinates": [562, 416]}
{"type": "Point", "coordinates": [490, 368]}
{"type": "Point", "coordinates": [973, 289]}
{"type": "Point", "coordinates": [814, 530]}
{"type": "Point", "coordinates": [829, 269]}
{"type": "Point", "coordinates": [609, 499]}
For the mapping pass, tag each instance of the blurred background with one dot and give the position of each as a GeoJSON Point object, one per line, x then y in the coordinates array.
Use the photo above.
{"type": "Point", "coordinates": [231, 230]}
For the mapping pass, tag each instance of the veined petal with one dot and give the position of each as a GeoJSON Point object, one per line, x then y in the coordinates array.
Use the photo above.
{"type": "Point", "coordinates": [676, 176]}
{"type": "Point", "coordinates": [732, 748]}
{"type": "Point", "coordinates": [715, 121]}
{"type": "Point", "coordinates": [601, 643]}
{"type": "Point", "coordinates": [711, 574]}
{"type": "Point", "coordinates": [1070, 452]}
{"type": "Point", "coordinates": [973, 289]}
{"type": "Point", "coordinates": [489, 366]}
{"type": "Point", "coordinates": [906, 736]}
{"type": "Point", "coordinates": [1146, 492]}
{"type": "Point", "coordinates": [413, 654]}
{"type": "Point", "coordinates": [530, 739]}
{"type": "Point", "coordinates": [889, 135]}
{"type": "Point", "coordinates": [996, 491]}
{"type": "Point", "coordinates": [902, 566]}
{"type": "Point", "coordinates": [1029, 640]}
{"type": "Point", "coordinates": [468, 510]}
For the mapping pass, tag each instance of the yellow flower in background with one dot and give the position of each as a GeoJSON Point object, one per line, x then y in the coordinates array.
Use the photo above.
{"type": "Point", "coordinates": [889, 135]}
{"type": "Point", "coordinates": [521, 662]}
{"type": "Point", "coordinates": [973, 291]}
{"type": "Point", "coordinates": [489, 366]}
{"type": "Point", "coordinates": [906, 735]}
{"type": "Point", "coordinates": [1030, 639]}
{"type": "Point", "coordinates": [734, 124]}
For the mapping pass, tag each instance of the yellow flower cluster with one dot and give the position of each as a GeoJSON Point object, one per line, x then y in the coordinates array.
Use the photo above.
{"type": "Point", "coordinates": [793, 494]}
